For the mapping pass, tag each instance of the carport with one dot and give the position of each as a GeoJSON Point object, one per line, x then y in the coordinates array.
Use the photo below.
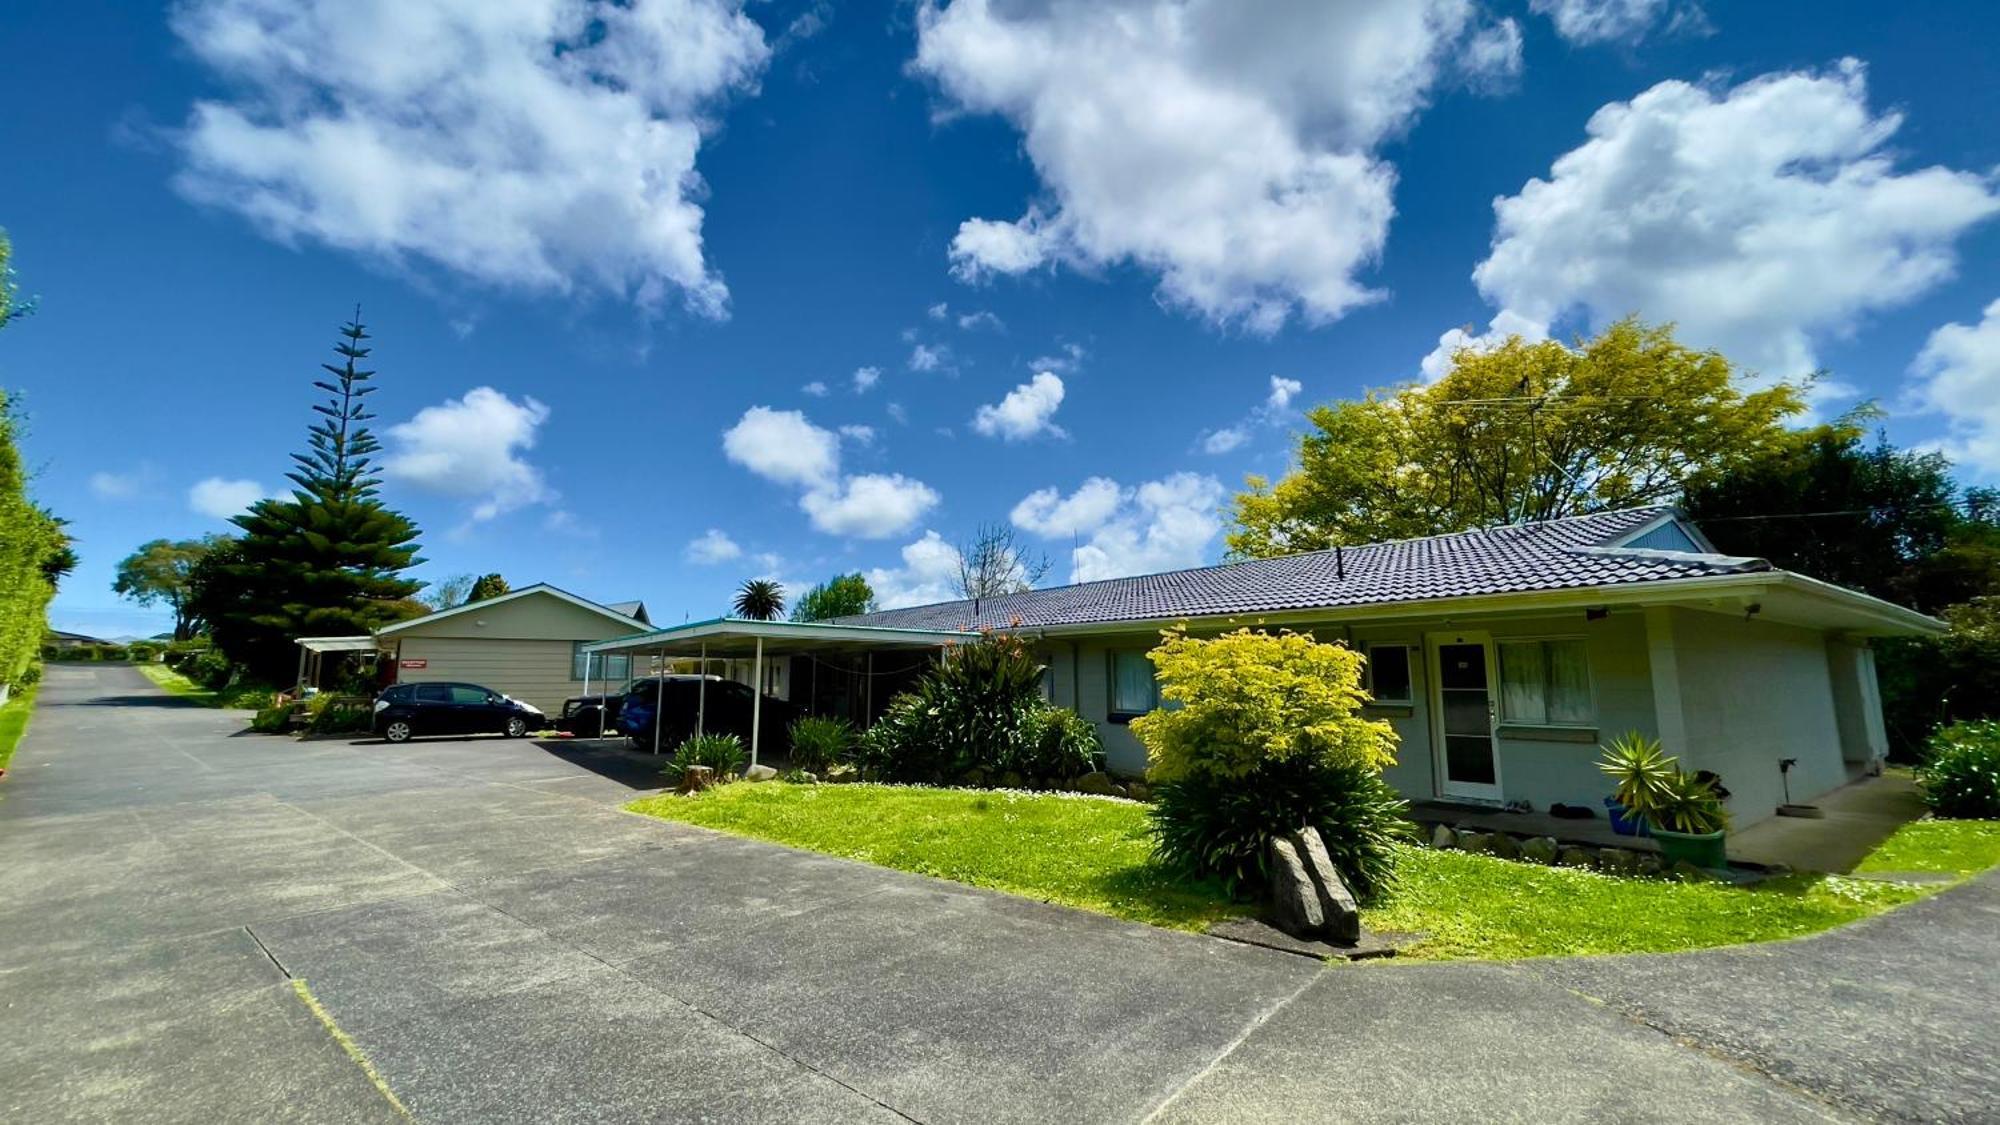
{"type": "Point", "coordinates": [730, 638]}
{"type": "Point", "coordinates": [312, 655]}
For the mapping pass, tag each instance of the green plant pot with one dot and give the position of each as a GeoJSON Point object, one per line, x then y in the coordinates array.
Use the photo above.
{"type": "Point", "coordinates": [1703, 849]}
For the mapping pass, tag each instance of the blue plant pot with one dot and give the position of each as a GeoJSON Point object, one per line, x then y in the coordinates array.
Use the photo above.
{"type": "Point", "coordinates": [1622, 824]}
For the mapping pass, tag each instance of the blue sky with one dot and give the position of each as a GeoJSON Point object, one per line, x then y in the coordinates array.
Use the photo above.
{"type": "Point", "coordinates": [622, 274]}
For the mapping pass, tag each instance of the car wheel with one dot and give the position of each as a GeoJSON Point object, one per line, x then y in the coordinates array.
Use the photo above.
{"type": "Point", "coordinates": [516, 727]}
{"type": "Point", "coordinates": [397, 731]}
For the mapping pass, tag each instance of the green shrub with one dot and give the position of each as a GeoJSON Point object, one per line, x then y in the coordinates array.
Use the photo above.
{"type": "Point", "coordinates": [820, 742]}
{"type": "Point", "coordinates": [1209, 825]}
{"type": "Point", "coordinates": [1263, 735]}
{"type": "Point", "coordinates": [1960, 776]}
{"type": "Point", "coordinates": [722, 753]}
{"type": "Point", "coordinates": [210, 669]}
{"type": "Point", "coordinates": [339, 714]}
{"type": "Point", "coordinates": [274, 719]}
{"type": "Point", "coordinates": [1056, 742]}
{"type": "Point", "coordinates": [1245, 699]}
{"type": "Point", "coordinates": [981, 707]}
{"type": "Point", "coordinates": [29, 676]}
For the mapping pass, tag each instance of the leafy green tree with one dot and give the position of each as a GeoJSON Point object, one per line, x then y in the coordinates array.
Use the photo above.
{"type": "Point", "coordinates": [843, 595]}
{"type": "Point", "coordinates": [327, 560]}
{"type": "Point", "coordinates": [1886, 521]}
{"type": "Point", "coordinates": [1524, 431]}
{"type": "Point", "coordinates": [159, 572]}
{"type": "Point", "coordinates": [487, 586]}
{"type": "Point", "coordinates": [760, 599]}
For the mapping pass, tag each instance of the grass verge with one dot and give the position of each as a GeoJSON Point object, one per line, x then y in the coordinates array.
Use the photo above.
{"type": "Point", "coordinates": [241, 697]}
{"type": "Point", "coordinates": [1096, 855]}
{"type": "Point", "coordinates": [14, 721]}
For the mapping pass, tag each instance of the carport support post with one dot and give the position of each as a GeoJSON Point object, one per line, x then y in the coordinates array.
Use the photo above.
{"type": "Point", "coordinates": [299, 688]}
{"type": "Point", "coordinates": [757, 705]}
{"type": "Point", "coordinates": [659, 700]}
{"type": "Point", "coordinates": [701, 693]}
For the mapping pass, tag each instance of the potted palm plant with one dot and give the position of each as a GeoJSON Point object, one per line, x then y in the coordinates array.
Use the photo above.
{"type": "Point", "coordinates": [1684, 811]}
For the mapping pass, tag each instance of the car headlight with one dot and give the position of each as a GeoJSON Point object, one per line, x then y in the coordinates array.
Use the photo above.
{"type": "Point", "coordinates": [381, 705]}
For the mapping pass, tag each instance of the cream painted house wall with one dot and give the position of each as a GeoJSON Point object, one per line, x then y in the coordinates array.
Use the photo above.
{"type": "Point", "coordinates": [1749, 693]}
{"type": "Point", "coordinates": [520, 647]}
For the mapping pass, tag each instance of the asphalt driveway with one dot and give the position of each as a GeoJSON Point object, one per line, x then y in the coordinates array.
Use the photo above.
{"type": "Point", "coordinates": [500, 942]}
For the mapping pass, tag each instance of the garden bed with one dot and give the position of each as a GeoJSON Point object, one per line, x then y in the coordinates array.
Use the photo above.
{"type": "Point", "coordinates": [1095, 854]}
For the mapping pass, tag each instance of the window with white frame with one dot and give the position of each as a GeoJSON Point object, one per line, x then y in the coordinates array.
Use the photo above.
{"type": "Point", "coordinates": [1389, 673]}
{"type": "Point", "coordinates": [1546, 683]}
{"type": "Point", "coordinates": [615, 667]}
{"type": "Point", "coordinates": [1134, 690]}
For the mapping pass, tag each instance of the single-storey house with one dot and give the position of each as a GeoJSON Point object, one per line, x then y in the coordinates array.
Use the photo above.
{"type": "Point", "coordinates": [1503, 658]}
{"type": "Point", "coordinates": [527, 643]}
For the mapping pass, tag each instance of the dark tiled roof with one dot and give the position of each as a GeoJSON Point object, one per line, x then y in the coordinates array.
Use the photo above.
{"type": "Point", "coordinates": [1558, 554]}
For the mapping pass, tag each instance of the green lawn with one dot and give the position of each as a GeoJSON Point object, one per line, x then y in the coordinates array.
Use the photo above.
{"type": "Point", "coordinates": [1096, 855]}
{"type": "Point", "coordinates": [14, 721]}
{"type": "Point", "coordinates": [241, 697]}
{"type": "Point", "coordinates": [1949, 847]}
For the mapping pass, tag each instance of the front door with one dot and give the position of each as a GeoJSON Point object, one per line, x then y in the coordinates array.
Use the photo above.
{"type": "Point", "coordinates": [1468, 762]}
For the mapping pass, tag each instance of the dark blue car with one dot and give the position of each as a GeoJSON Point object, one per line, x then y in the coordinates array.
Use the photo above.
{"type": "Point", "coordinates": [728, 711]}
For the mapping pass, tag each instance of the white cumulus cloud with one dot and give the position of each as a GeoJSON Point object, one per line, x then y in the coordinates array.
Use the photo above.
{"type": "Point", "coordinates": [547, 145]}
{"type": "Point", "coordinates": [865, 379]}
{"type": "Point", "coordinates": [929, 574]}
{"type": "Point", "coordinates": [1283, 391]}
{"type": "Point", "coordinates": [222, 497]}
{"type": "Point", "coordinates": [1228, 439]}
{"type": "Point", "coordinates": [1026, 411]}
{"type": "Point", "coordinates": [712, 546]}
{"type": "Point", "coordinates": [1616, 21]}
{"type": "Point", "coordinates": [869, 506]}
{"type": "Point", "coordinates": [1048, 512]}
{"type": "Point", "coordinates": [1958, 374]}
{"type": "Point", "coordinates": [815, 388]}
{"type": "Point", "coordinates": [1168, 525]}
{"type": "Point", "coordinates": [783, 446]}
{"type": "Point", "coordinates": [1225, 148]}
{"type": "Point", "coordinates": [107, 485]}
{"type": "Point", "coordinates": [1759, 218]}
{"type": "Point", "coordinates": [471, 448]}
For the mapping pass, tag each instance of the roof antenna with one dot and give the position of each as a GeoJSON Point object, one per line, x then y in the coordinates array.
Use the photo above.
{"type": "Point", "coordinates": [1339, 563]}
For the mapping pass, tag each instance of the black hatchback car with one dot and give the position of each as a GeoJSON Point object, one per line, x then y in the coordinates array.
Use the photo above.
{"type": "Point", "coordinates": [406, 710]}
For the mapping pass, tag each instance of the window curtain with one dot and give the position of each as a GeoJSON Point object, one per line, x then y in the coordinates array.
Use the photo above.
{"type": "Point", "coordinates": [1569, 683]}
{"type": "Point", "coordinates": [1523, 676]}
{"type": "Point", "coordinates": [1133, 691]}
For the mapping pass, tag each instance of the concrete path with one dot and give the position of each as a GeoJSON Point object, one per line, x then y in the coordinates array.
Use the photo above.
{"type": "Point", "coordinates": [499, 942]}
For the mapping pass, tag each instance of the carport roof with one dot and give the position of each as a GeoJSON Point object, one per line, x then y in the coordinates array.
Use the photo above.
{"type": "Point", "coordinates": [726, 636]}
{"type": "Point", "coordinates": [337, 644]}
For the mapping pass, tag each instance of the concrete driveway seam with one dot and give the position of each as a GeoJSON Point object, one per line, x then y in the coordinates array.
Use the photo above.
{"type": "Point", "coordinates": [1231, 1047]}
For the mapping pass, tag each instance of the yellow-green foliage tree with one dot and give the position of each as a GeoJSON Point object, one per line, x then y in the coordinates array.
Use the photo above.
{"type": "Point", "coordinates": [1524, 431]}
{"type": "Point", "coordinates": [34, 549]}
{"type": "Point", "coordinates": [1261, 734]}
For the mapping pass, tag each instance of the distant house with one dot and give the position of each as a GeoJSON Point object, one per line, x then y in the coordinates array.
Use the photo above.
{"type": "Point", "coordinates": [60, 639]}
{"type": "Point", "coordinates": [1503, 658]}
{"type": "Point", "coordinates": [527, 643]}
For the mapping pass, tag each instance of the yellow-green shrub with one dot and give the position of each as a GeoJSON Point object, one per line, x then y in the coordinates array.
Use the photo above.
{"type": "Point", "coordinates": [1262, 734]}
{"type": "Point", "coordinates": [1244, 699]}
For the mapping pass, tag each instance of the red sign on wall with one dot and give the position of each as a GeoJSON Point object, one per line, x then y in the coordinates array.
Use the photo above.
{"type": "Point", "coordinates": [416, 663]}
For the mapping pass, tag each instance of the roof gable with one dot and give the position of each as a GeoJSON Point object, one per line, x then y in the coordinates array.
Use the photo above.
{"type": "Point", "coordinates": [539, 589]}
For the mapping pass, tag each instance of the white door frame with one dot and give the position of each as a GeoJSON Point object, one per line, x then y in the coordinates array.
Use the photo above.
{"type": "Point", "coordinates": [1433, 644]}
